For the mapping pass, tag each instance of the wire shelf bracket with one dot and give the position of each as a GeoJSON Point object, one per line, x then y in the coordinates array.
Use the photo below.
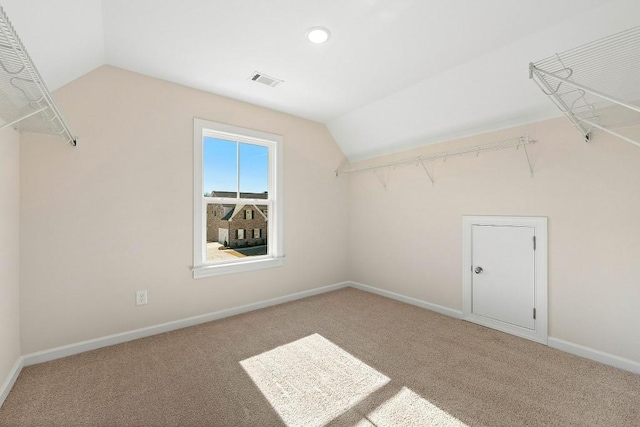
{"type": "Point", "coordinates": [596, 85]}
{"type": "Point", "coordinates": [25, 102]}
{"type": "Point", "coordinates": [381, 170]}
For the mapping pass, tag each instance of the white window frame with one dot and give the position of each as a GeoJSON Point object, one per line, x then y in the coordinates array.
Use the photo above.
{"type": "Point", "coordinates": [275, 229]}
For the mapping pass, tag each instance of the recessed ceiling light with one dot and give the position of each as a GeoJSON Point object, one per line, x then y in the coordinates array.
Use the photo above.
{"type": "Point", "coordinates": [318, 35]}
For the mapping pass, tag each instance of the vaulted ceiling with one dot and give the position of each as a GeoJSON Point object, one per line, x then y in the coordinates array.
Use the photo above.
{"type": "Point", "coordinates": [394, 74]}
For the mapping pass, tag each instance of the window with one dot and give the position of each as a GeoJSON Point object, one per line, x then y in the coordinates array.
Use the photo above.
{"type": "Point", "coordinates": [237, 172]}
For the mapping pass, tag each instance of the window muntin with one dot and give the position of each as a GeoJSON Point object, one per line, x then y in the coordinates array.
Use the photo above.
{"type": "Point", "coordinates": [237, 188]}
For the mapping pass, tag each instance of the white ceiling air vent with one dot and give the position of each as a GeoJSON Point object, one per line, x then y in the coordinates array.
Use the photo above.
{"type": "Point", "coordinates": [264, 79]}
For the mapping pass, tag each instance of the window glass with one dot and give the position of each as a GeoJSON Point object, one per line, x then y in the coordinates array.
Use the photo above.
{"type": "Point", "coordinates": [254, 171]}
{"type": "Point", "coordinates": [231, 166]}
{"type": "Point", "coordinates": [220, 167]}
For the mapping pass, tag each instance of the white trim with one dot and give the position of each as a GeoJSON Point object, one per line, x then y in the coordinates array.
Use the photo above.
{"type": "Point", "coordinates": [275, 222]}
{"type": "Point", "coordinates": [71, 349]}
{"type": "Point", "coordinates": [260, 211]}
{"type": "Point", "coordinates": [11, 379]}
{"type": "Point", "coordinates": [595, 355]}
{"type": "Point", "coordinates": [413, 301]}
{"type": "Point", "coordinates": [81, 347]}
{"type": "Point", "coordinates": [240, 266]}
{"type": "Point", "coordinates": [566, 346]}
{"type": "Point", "coordinates": [539, 224]}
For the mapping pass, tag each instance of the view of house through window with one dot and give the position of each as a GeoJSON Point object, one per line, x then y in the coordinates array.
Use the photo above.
{"type": "Point", "coordinates": [238, 202]}
{"type": "Point", "coordinates": [230, 233]}
{"type": "Point", "coordinates": [236, 176]}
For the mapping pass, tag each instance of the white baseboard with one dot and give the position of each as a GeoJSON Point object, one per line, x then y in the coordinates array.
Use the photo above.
{"type": "Point", "coordinates": [597, 355]}
{"type": "Point", "coordinates": [11, 379]}
{"type": "Point", "coordinates": [566, 346]}
{"type": "Point", "coordinates": [413, 301]}
{"type": "Point", "coordinates": [71, 349]}
{"type": "Point", "coordinates": [81, 347]}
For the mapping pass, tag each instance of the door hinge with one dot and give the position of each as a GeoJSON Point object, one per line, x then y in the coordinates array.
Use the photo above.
{"type": "Point", "coordinates": [534, 243]}
{"type": "Point", "coordinates": [534, 314]}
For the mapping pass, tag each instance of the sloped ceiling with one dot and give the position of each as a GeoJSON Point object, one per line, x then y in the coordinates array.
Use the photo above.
{"type": "Point", "coordinates": [395, 73]}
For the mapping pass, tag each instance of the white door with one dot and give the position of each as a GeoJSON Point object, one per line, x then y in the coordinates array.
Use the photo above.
{"type": "Point", "coordinates": [223, 235]}
{"type": "Point", "coordinates": [505, 274]}
{"type": "Point", "coordinates": [503, 279]}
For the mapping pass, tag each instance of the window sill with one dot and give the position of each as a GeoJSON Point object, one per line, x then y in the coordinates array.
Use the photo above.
{"type": "Point", "coordinates": [217, 270]}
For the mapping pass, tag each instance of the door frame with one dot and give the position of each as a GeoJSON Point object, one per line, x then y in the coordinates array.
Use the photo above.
{"type": "Point", "coordinates": [539, 224]}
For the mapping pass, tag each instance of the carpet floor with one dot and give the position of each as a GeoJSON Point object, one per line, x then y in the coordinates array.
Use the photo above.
{"type": "Point", "coordinates": [344, 358]}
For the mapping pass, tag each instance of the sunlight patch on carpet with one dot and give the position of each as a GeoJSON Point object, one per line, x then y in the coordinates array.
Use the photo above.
{"type": "Point", "coordinates": [311, 381]}
{"type": "Point", "coordinates": [407, 408]}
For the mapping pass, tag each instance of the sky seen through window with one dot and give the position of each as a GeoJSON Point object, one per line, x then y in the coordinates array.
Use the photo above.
{"type": "Point", "coordinates": [220, 165]}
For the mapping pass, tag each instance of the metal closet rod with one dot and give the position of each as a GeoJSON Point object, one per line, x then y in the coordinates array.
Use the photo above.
{"type": "Point", "coordinates": [417, 160]}
{"type": "Point", "coordinates": [570, 112]}
{"type": "Point", "coordinates": [15, 53]}
{"type": "Point", "coordinates": [601, 45]}
{"type": "Point", "coordinates": [602, 73]}
{"type": "Point", "coordinates": [587, 89]}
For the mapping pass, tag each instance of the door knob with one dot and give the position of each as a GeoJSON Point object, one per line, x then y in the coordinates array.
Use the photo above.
{"type": "Point", "coordinates": [478, 270]}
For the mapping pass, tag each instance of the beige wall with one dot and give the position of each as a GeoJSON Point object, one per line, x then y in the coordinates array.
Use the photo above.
{"type": "Point", "coordinates": [408, 239]}
{"type": "Point", "coordinates": [114, 215]}
{"type": "Point", "coordinates": [9, 251]}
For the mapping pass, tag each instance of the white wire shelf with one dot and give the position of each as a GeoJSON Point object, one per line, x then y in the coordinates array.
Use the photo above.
{"type": "Point", "coordinates": [597, 85]}
{"type": "Point", "coordinates": [25, 102]}
{"type": "Point", "coordinates": [516, 142]}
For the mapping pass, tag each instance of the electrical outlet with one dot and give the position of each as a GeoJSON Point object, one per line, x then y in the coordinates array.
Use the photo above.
{"type": "Point", "coordinates": [141, 297]}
